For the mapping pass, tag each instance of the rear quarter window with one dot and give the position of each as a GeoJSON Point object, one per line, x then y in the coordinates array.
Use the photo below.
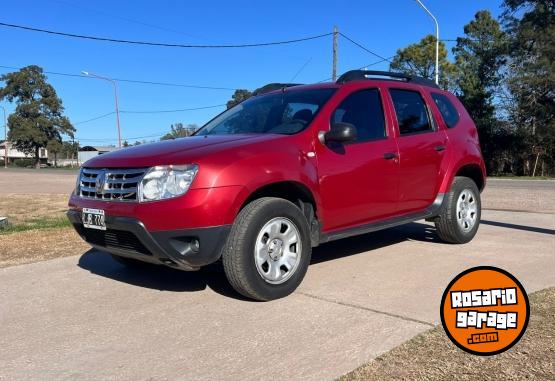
{"type": "Point", "coordinates": [448, 111]}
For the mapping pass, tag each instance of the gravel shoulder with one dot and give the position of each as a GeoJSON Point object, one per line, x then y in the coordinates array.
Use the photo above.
{"type": "Point", "coordinates": [431, 356]}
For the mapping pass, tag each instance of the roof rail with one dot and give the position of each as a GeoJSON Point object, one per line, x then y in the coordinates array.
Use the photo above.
{"type": "Point", "coordinates": [356, 75]}
{"type": "Point", "coordinates": [272, 87]}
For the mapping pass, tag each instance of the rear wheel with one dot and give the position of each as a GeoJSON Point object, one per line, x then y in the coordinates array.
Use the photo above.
{"type": "Point", "coordinates": [268, 249]}
{"type": "Point", "coordinates": [460, 216]}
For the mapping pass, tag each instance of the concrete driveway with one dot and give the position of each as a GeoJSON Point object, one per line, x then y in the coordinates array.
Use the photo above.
{"type": "Point", "coordinates": [86, 317]}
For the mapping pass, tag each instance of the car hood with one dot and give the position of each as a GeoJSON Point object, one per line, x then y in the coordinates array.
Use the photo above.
{"type": "Point", "coordinates": [177, 151]}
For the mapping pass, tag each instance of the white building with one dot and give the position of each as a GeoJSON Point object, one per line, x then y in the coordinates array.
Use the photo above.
{"type": "Point", "coordinates": [88, 152]}
{"type": "Point", "coordinates": [15, 154]}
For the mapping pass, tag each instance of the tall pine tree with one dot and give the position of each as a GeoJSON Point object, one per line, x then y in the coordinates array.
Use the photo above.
{"type": "Point", "coordinates": [479, 56]}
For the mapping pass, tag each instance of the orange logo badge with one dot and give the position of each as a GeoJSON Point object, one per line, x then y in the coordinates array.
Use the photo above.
{"type": "Point", "coordinates": [485, 310]}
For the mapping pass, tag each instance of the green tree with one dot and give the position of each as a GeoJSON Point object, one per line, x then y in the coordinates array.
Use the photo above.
{"type": "Point", "coordinates": [419, 60]}
{"type": "Point", "coordinates": [38, 117]}
{"type": "Point", "coordinates": [69, 149]}
{"type": "Point", "coordinates": [238, 97]}
{"type": "Point", "coordinates": [125, 143]}
{"type": "Point", "coordinates": [479, 57]}
{"type": "Point", "coordinates": [54, 147]}
{"type": "Point", "coordinates": [531, 75]}
{"type": "Point", "coordinates": [178, 130]}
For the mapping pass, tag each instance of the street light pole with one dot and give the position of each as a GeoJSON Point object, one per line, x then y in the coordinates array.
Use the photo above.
{"type": "Point", "coordinates": [334, 64]}
{"type": "Point", "coordinates": [5, 139]}
{"type": "Point", "coordinates": [114, 83]}
{"type": "Point", "coordinates": [437, 39]}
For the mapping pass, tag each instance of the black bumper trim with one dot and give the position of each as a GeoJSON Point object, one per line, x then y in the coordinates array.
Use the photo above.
{"type": "Point", "coordinates": [175, 248]}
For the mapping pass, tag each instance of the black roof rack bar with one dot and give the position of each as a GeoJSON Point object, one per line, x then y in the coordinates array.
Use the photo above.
{"type": "Point", "coordinates": [357, 75]}
{"type": "Point", "coordinates": [272, 87]}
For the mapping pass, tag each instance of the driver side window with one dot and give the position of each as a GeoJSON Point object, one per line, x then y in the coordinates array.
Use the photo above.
{"type": "Point", "coordinates": [299, 111]}
{"type": "Point", "coordinates": [363, 110]}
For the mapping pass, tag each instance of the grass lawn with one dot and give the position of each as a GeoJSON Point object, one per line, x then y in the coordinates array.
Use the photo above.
{"type": "Point", "coordinates": [32, 212]}
{"type": "Point", "coordinates": [38, 229]}
{"type": "Point", "coordinates": [23, 208]}
{"type": "Point", "coordinates": [431, 356]}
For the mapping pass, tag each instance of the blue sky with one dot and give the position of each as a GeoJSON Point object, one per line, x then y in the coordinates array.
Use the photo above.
{"type": "Point", "coordinates": [382, 26]}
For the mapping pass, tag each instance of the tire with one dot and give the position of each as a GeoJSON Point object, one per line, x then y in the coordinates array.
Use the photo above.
{"type": "Point", "coordinates": [458, 223]}
{"type": "Point", "coordinates": [254, 261]}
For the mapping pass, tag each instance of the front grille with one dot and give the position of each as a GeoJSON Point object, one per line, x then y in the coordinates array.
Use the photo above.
{"type": "Point", "coordinates": [119, 239]}
{"type": "Point", "coordinates": [110, 184]}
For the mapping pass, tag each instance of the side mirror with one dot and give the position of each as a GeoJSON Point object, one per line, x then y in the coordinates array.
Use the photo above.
{"type": "Point", "coordinates": [341, 133]}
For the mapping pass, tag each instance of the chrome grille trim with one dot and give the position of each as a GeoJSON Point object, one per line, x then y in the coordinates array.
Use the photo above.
{"type": "Point", "coordinates": [117, 184]}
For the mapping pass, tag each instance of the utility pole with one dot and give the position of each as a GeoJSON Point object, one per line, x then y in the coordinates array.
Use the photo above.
{"type": "Point", "coordinates": [334, 68]}
{"type": "Point", "coordinates": [437, 38]}
{"type": "Point", "coordinates": [72, 147]}
{"type": "Point", "coordinates": [113, 82]}
{"type": "Point", "coordinates": [5, 139]}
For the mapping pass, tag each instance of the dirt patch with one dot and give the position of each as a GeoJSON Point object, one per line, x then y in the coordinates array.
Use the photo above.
{"type": "Point", "coordinates": [20, 208]}
{"type": "Point", "coordinates": [37, 181]}
{"type": "Point", "coordinates": [39, 245]}
{"type": "Point", "coordinates": [431, 356]}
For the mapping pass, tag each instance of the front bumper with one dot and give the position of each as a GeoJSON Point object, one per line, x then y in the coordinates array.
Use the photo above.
{"type": "Point", "coordinates": [128, 237]}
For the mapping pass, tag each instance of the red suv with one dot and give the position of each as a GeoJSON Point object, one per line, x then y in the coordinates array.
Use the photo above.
{"type": "Point", "coordinates": [291, 168]}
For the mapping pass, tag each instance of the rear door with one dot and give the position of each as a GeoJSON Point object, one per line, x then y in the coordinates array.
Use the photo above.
{"type": "Point", "coordinates": [422, 147]}
{"type": "Point", "coordinates": [358, 180]}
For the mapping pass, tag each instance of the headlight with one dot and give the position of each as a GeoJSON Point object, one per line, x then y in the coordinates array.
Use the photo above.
{"type": "Point", "coordinates": [77, 190]}
{"type": "Point", "coordinates": [166, 181]}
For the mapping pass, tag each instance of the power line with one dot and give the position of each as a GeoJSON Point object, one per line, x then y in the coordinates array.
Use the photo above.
{"type": "Point", "coordinates": [300, 70]}
{"type": "Point", "coordinates": [95, 118]}
{"type": "Point", "coordinates": [363, 47]}
{"type": "Point", "coordinates": [123, 138]}
{"type": "Point", "coordinates": [362, 67]}
{"type": "Point", "coordinates": [131, 80]}
{"type": "Point", "coordinates": [130, 20]}
{"type": "Point", "coordinates": [148, 112]}
{"type": "Point", "coordinates": [161, 44]}
{"type": "Point", "coordinates": [169, 111]}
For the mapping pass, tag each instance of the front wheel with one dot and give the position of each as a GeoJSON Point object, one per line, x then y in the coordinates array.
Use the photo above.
{"type": "Point", "coordinates": [461, 212]}
{"type": "Point", "coordinates": [268, 250]}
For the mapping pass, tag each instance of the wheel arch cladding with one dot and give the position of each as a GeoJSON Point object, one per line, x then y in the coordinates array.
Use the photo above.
{"type": "Point", "coordinates": [473, 172]}
{"type": "Point", "coordinates": [293, 191]}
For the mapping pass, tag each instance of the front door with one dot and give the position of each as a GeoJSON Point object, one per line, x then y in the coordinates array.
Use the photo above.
{"type": "Point", "coordinates": [358, 180]}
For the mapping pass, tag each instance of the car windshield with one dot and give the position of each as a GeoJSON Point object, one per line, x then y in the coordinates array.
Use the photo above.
{"type": "Point", "coordinates": [286, 112]}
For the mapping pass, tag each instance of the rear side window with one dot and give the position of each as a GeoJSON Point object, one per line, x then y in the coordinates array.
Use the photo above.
{"type": "Point", "coordinates": [362, 109]}
{"type": "Point", "coordinates": [412, 114]}
{"type": "Point", "coordinates": [448, 111]}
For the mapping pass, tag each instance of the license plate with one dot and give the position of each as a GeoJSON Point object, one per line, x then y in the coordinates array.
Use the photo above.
{"type": "Point", "coordinates": [94, 219]}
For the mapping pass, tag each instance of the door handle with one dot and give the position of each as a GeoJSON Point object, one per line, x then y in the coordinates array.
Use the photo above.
{"type": "Point", "coordinates": [440, 148]}
{"type": "Point", "coordinates": [390, 155]}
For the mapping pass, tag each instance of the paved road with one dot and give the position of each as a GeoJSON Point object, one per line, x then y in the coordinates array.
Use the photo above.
{"type": "Point", "coordinates": [527, 195]}
{"type": "Point", "coordinates": [86, 317]}
{"type": "Point", "coordinates": [37, 181]}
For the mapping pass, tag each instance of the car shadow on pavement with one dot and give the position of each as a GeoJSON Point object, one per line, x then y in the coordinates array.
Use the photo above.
{"type": "Point", "coordinates": [167, 279]}
{"type": "Point", "coordinates": [367, 242]}
{"type": "Point", "coordinates": [519, 227]}
{"type": "Point", "coordinates": [158, 277]}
